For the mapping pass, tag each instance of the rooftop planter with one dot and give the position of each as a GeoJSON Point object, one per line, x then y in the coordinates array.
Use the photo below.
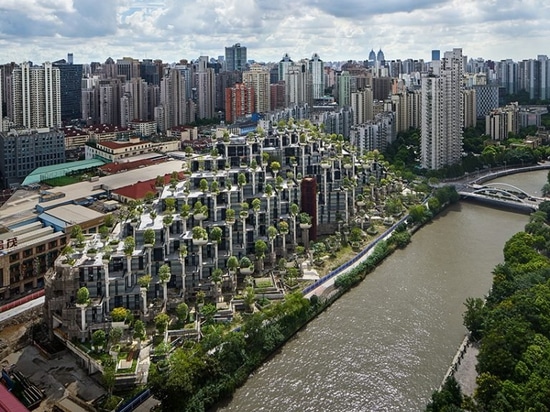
{"type": "Point", "coordinates": [149, 237]}
{"type": "Point", "coordinates": [230, 216]}
{"type": "Point", "coordinates": [200, 236]}
{"type": "Point", "coordinates": [305, 220]}
{"type": "Point", "coordinates": [246, 266]}
{"type": "Point", "coordinates": [232, 264]}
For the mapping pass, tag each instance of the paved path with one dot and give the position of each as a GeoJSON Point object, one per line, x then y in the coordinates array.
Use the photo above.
{"type": "Point", "coordinates": [466, 373]}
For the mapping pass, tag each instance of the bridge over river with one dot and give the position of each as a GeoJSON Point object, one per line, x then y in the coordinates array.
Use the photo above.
{"type": "Point", "coordinates": [501, 194]}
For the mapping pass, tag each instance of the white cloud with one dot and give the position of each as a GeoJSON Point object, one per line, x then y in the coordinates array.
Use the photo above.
{"type": "Point", "coordinates": [338, 30]}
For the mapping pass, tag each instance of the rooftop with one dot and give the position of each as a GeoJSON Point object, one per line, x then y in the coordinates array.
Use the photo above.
{"type": "Point", "coordinates": [49, 172]}
{"type": "Point", "coordinates": [73, 214]}
{"type": "Point", "coordinates": [23, 203]}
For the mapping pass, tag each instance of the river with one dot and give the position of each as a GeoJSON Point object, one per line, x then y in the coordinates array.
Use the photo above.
{"type": "Point", "coordinates": [386, 345]}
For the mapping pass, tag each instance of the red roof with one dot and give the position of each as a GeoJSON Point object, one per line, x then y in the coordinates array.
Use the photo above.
{"type": "Point", "coordinates": [137, 190]}
{"type": "Point", "coordinates": [140, 189]}
{"type": "Point", "coordinates": [119, 145]}
{"type": "Point", "coordinates": [9, 403]}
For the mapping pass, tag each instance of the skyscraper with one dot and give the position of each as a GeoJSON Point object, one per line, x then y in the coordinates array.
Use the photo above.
{"type": "Point", "coordinates": [258, 78]}
{"type": "Point", "coordinates": [70, 81]}
{"type": "Point", "coordinates": [36, 96]}
{"type": "Point", "coordinates": [316, 69]}
{"type": "Point", "coordinates": [362, 106]}
{"type": "Point", "coordinates": [298, 84]}
{"type": "Point", "coordinates": [206, 89]}
{"type": "Point", "coordinates": [173, 99]}
{"type": "Point", "coordinates": [235, 57]}
{"type": "Point", "coordinates": [239, 101]}
{"type": "Point", "coordinates": [283, 66]}
{"type": "Point", "coordinates": [442, 113]}
{"type": "Point", "coordinates": [344, 89]}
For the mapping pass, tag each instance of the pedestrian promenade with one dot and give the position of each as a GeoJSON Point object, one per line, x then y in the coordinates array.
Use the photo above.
{"type": "Point", "coordinates": [327, 281]}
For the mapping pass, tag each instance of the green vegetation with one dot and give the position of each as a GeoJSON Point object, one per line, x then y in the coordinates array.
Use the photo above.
{"type": "Point", "coordinates": [202, 373]}
{"type": "Point", "coordinates": [514, 329]}
{"type": "Point", "coordinates": [63, 180]}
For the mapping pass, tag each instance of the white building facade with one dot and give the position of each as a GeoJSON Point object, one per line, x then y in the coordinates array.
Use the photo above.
{"type": "Point", "coordinates": [442, 112]}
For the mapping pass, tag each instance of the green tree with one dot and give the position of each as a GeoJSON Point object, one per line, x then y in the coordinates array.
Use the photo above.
{"type": "Point", "coordinates": [182, 311]}
{"type": "Point", "coordinates": [83, 296]}
{"type": "Point", "coordinates": [161, 322]}
{"type": "Point", "coordinates": [473, 317]}
{"type": "Point", "coordinates": [139, 330]}
{"type": "Point", "coordinates": [119, 314]}
{"type": "Point", "coordinates": [115, 335]}
{"type": "Point", "coordinates": [98, 339]}
{"type": "Point", "coordinates": [448, 399]}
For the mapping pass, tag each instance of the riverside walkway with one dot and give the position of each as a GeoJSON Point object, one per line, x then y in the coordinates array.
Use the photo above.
{"type": "Point", "coordinates": [327, 281]}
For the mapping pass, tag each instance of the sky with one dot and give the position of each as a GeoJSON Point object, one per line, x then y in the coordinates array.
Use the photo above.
{"type": "Point", "coordinates": [46, 30]}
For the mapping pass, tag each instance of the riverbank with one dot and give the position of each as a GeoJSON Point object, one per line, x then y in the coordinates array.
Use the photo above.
{"type": "Point", "coordinates": [388, 342]}
{"type": "Point", "coordinates": [463, 367]}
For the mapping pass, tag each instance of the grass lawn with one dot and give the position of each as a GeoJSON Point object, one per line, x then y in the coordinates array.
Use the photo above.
{"type": "Point", "coordinates": [62, 180]}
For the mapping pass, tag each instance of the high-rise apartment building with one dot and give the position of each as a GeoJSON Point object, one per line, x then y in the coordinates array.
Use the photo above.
{"type": "Point", "coordinates": [362, 106]}
{"type": "Point", "coordinates": [316, 68]}
{"type": "Point", "coordinates": [298, 84]}
{"type": "Point", "coordinates": [36, 96]}
{"type": "Point", "coordinates": [469, 107]}
{"type": "Point", "coordinates": [223, 81]}
{"type": "Point", "coordinates": [283, 66]}
{"type": "Point", "coordinates": [501, 121]}
{"type": "Point", "coordinates": [239, 102]}
{"type": "Point", "coordinates": [258, 79]}
{"type": "Point", "coordinates": [110, 91]}
{"type": "Point", "coordinates": [442, 112]}
{"type": "Point", "coordinates": [173, 99]}
{"type": "Point", "coordinates": [134, 101]}
{"type": "Point", "coordinates": [277, 92]}
{"type": "Point", "coordinates": [235, 58]}
{"type": "Point", "coordinates": [206, 89]}
{"type": "Point", "coordinates": [344, 89]}
{"type": "Point", "coordinates": [6, 101]}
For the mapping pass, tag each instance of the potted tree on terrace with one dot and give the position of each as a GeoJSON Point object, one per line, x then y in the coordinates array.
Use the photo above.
{"type": "Point", "coordinates": [98, 340]}
{"type": "Point", "coordinates": [82, 302]}
{"type": "Point", "coordinates": [164, 277]}
{"type": "Point", "coordinates": [271, 235]}
{"type": "Point", "coordinates": [283, 230]}
{"type": "Point", "coordinates": [232, 264]}
{"type": "Point", "coordinates": [245, 265]}
{"type": "Point", "coordinates": [305, 225]}
{"type": "Point", "coordinates": [260, 247]}
{"type": "Point", "coordinates": [216, 280]}
{"type": "Point", "coordinates": [149, 242]}
{"type": "Point", "coordinates": [144, 282]}
{"type": "Point", "coordinates": [200, 238]}
{"type": "Point", "coordinates": [77, 235]}
{"type": "Point", "coordinates": [216, 235]}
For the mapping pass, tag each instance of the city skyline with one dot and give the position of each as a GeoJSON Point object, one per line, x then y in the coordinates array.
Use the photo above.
{"type": "Point", "coordinates": [46, 31]}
